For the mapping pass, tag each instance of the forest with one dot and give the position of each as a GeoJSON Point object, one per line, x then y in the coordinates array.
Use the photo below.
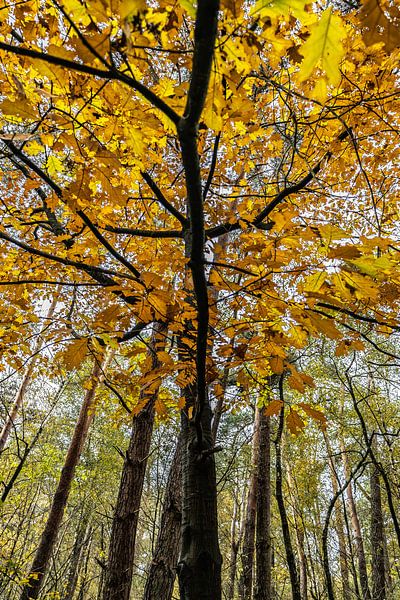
{"type": "Point", "coordinates": [199, 291]}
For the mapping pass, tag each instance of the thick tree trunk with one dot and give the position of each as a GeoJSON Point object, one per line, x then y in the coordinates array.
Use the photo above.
{"type": "Point", "coordinates": [26, 379]}
{"type": "Point", "coordinates": [262, 583]}
{"type": "Point", "coordinates": [355, 522]}
{"type": "Point", "coordinates": [162, 573]}
{"type": "Point", "coordinates": [199, 567]}
{"type": "Point", "coordinates": [246, 578]}
{"type": "Point", "coordinates": [344, 567]}
{"type": "Point", "coordinates": [377, 535]}
{"type": "Point", "coordinates": [119, 568]}
{"type": "Point", "coordinates": [40, 563]}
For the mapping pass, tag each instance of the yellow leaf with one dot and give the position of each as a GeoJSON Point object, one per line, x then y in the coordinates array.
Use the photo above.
{"type": "Point", "coordinates": [131, 7]}
{"type": "Point", "coordinates": [54, 165]}
{"type": "Point", "coordinates": [313, 283]}
{"type": "Point", "coordinates": [20, 108]}
{"type": "Point", "coordinates": [324, 47]}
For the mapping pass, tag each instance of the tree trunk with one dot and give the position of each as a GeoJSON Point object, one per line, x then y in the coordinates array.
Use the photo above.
{"type": "Point", "coordinates": [377, 535]}
{"type": "Point", "coordinates": [299, 536]}
{"type": "Point", "coordinates": [119, 569]}
{"type": "Point", "coordinates": [235, 540]}
{"type": "Point", "coordinates": [262, 587]}
{"type": "Point", "coordinates": [40, 563]}
{"type": "Point", "coordinates": [246, 578]}
{"type": "Point", "coordinates": [294, 578]}
{"type": "Point", "coordinates": [76, 555]}
{"type": "Point", "coordinates": [199, 567]}
{"type": "Point", "coordinates": [355, 522]}
{"type": "Point", "coordinates": [161, 577]}
{"type": "Point", "coordinates": [344, 568]}
{"type": "Point", "coordinates": [26, 379]}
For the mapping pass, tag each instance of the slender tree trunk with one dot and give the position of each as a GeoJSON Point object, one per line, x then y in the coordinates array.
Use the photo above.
{"type": "Point", "coordinates": [355, 522]}
{"type": "Point", "coordinates": [377, 534]}
{"type": "Point", "coordinates": [294, 578]}
{"type": "Point", "coordinates": [40, 563]}
{"type": "Point", "coordinates": [162, 573]}
{"type": "Point", "coordinates": [246, 578]}
{"type": "Point", "coordinates": [235, 540]}
{"type": "Point", "coordinates": [299, 536]}
{"type": "Point", "coordinates": [262, 587]}
{"type": "Point", "coordinates": [26, 379]}
{"type": "Point", "coordinates": [119, 569]}
{"type": "Point", "coordinates": [344, 568]}
{"type": "Point", "coordinates": [76, 555]}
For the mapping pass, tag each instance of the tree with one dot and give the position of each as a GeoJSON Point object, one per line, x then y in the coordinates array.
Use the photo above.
{"type": "Point", "coordinates": [147, 121]}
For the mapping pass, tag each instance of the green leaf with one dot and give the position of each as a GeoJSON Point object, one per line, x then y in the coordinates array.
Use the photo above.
{"type": "Point", "coordinates": [324, 47]}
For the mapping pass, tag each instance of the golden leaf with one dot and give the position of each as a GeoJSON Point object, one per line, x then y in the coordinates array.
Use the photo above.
{"type": "Point", "coordinates": [273, 408]}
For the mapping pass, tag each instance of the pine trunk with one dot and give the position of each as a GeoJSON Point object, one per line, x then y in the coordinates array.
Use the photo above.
{"type": "Point", "coordinates": [377, 537]}
{"type": "Point", "coordinates": [355, 522]}
{"type": "Point", "coordinates": [119, 568]}
{"type": "Point", "coordinates": [31, 590]}
{"type": "Point", "coordinates": [344, 567]}
{"type": "Point", "coordinates": [162, 573]}
{"type": "Point", "coordinates": [246, 578]}
{"type": "Point", "coordinates": [291, 561]}
{"type": "Point", "coordinates": [262, 587]}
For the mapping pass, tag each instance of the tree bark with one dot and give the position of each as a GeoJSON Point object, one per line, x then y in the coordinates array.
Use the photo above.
{"type": "Point", "coordinates": [344, 568]}
{"type": "Point", "coordinates": [355, 522]}
{"type": "Point", "coordinates": [76, 555]}
{"type": "Point", "coordinates": [262, 583]}
{"type": "Point", "coordinates": [40, 563]}
{"type": "Point", "coordinates": [246, 578]}
{"type": "Point", "coordinates": [294, 577]}
{"type": "Point", "coordinates": [199, 567]}
{"type": "Point", "coordinates": [119, 568]}
{"type": "Point", "coordinates": [162, 573]}
{"type": "Point", "coordinates": [299, 529]}
{"type": "Point", "coordinates": [235, 541]}
{"type": "Point", "coordinates": [377, 534]}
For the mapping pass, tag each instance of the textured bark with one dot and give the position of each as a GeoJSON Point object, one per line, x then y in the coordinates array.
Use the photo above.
{"type": "Point", "coordinates": [235, 540]}
{"type": "Point", "coordinates": [355, 522]}
{"type": "Point", "coordinates": [344, 567]}
{"type": "Point", "coordinates": [76, 556]}
{"type": "Point", "coordinates": [199, 567]}
{"type": "Point", "coordinates": [262, 583]}
{"type": "Point", "coordinates": [26, 379]}
{"type": "Point", "coordinates": [31, 590]}
{"type": "Point", "coordinates": [299, 530]}
{"type": "Point", "coordinates": [119, 568]}
{"type": "Point", "coordinates": [246, 578]}
{"type": "Point", "coordinates": [377, 535]}
{"type": "Point", "coordinates": [291, 561]}
{"type": "Point", "coordinates": [162, 572]}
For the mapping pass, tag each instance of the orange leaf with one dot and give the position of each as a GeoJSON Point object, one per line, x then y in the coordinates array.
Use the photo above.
{"type": "Point", "coordinates": [273, 408]}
